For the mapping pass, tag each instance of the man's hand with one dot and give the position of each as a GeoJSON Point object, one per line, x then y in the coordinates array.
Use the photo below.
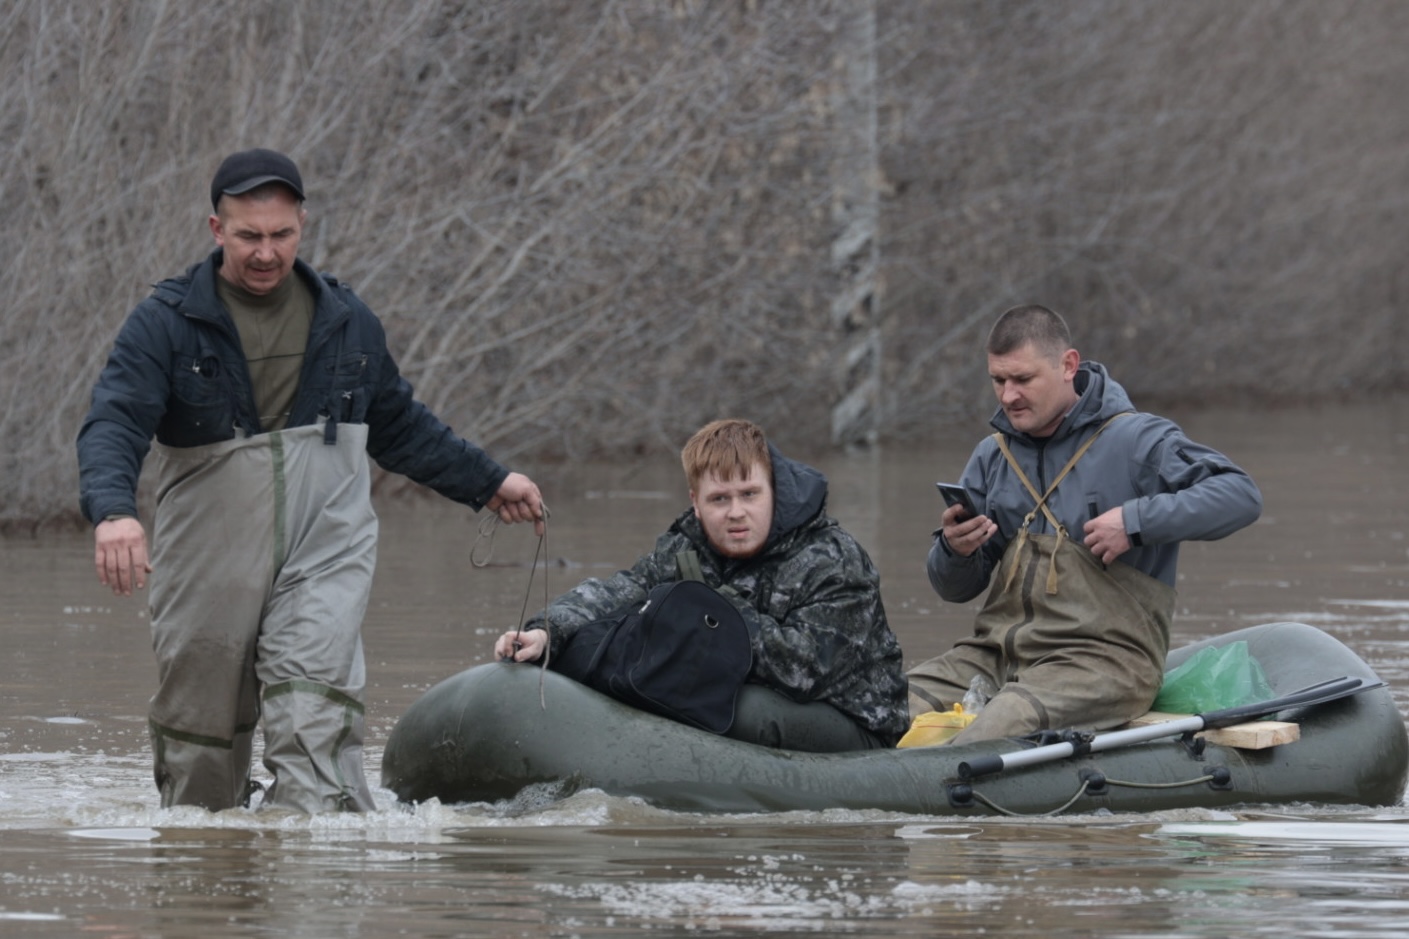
{"type": "Point", "coordinates": [518, 500]}
{"type": "Point", "coordinates": [965, 534]}
{"type": "Point", "coordinates": [521, 645]}
{"type": "Point", "coordinates": [121, 556]}
{"type": "Point", "coordinates": [1105, 535]}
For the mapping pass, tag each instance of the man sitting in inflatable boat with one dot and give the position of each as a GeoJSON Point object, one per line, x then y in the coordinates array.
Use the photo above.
{"type": "Point", "coordinates": [826, 671]}
{"type": "Point", "coordinates": [1080, 503]}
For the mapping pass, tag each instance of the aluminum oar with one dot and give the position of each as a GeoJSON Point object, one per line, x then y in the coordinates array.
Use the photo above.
{"type": "Point", "coordinates": [1319, 693]}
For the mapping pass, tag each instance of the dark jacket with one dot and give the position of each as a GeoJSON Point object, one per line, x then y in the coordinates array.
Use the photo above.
{"type": "Point", "coordinates": [177, 372]}
{"type": "Point", "coordinates": [811, 598]}
{"type": "Point", "coordinates": [1171, 488]}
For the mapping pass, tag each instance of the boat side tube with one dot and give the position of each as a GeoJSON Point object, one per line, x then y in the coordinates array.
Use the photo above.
{"type": "Point", "coordinates": [489, 732]}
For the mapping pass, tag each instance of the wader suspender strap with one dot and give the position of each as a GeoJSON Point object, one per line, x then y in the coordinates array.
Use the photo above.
{"type": "Point", "coordinates": [687, 562]}
{"type": "Point", "coordinates": [1042, 502]}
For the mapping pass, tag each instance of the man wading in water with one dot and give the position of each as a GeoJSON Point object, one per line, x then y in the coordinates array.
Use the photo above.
{"type": "Point", "coordinates": [266, 385]}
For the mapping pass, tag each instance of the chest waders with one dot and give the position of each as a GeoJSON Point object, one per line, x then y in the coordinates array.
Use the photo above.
{"type": "Point", "coordinates": [1066, 641]}
{"type": "Point", "coordinates": [263, 553]}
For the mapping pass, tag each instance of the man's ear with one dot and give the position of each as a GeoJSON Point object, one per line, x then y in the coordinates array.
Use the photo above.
{"type": "Point", "coordinates": [694, 506]}
{"type": "Point", "coordinates": [1071, 361]}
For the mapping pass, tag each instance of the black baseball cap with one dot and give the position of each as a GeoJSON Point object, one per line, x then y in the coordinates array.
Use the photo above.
{"type": "Point", "coordinates": [243, 171]}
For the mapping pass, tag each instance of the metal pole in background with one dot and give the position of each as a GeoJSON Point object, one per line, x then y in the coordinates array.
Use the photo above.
{"type": "Point", "coordinates": [855, 310]}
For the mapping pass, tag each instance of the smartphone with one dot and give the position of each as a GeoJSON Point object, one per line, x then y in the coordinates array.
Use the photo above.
{"type": "Point", "coordinates": [954, 494]}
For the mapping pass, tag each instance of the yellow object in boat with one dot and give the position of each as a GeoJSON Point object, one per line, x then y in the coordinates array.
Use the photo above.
{"type": "Point", "coordinates": [935, 727]}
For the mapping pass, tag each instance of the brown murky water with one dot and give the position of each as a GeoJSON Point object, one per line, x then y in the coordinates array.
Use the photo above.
{"type": "Point", "coordinates": [84, 849]}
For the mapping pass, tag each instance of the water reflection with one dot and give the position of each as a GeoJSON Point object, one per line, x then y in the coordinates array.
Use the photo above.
{"type": "Point", "coordinates": [1208, 875]}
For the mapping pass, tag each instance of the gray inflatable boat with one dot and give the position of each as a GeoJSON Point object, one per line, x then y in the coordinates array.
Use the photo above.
{"type": "Point", "coordinates": [487, 733]}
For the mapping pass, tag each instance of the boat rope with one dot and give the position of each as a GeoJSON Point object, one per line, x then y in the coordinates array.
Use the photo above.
{"type": "Point", "coordinates": [1081, 791]}
{"type": "Point", "coordinates": [487, 528]}
{"type": "Point", "coordinates": [1087, 783]}
{"type": "Point", "coordinates": [484, 535]}
{"type": "Point", "coordinates": [1210, 777]}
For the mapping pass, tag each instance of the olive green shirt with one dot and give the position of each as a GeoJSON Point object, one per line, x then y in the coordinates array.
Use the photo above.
{"type": "Point", "coordinates": [273, 332]}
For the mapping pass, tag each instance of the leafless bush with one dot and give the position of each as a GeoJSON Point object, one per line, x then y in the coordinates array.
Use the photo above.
{"type": "Point", "coordinates": [592, 226]}
{"type": "Point", "coordinates": [589, 227]}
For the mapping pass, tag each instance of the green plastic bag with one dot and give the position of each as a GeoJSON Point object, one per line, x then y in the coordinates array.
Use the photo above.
{"type": "Point", "coordinates": [1212, 679]}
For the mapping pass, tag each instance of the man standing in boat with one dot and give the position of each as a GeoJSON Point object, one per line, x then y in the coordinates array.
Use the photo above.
{"type": "Point", "coordinates": [266, 385]}
{"type": "Point", "coordinates": [827, 673]}
{"type": "Point", "coordinates": [1081, 502]}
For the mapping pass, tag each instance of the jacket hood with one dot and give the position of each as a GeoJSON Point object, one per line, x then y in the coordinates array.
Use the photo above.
{"type": "Point", "coordinates": [799, 493]}
{"type": "Point", "coordinates": [1100, 398]}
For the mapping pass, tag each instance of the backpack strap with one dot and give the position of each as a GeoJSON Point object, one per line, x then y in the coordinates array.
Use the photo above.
{"type": "Point", "coordinates": [687, 563]}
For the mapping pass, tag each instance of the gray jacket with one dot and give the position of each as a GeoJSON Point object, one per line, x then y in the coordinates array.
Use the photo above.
{"type": "Point", "coordinates": [811, 598]}
{"type": "Point", "coordinates": [1172, 489]}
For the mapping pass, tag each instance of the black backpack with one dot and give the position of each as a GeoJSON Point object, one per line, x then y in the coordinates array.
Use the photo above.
{"type": "Point", "coordinates": [683, 653]}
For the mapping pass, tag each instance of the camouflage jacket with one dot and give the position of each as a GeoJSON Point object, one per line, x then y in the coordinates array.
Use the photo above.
{"type": "Point", "coordinates": [811, 598]}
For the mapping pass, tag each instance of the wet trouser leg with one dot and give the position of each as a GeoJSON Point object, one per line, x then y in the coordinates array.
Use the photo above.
{"type": "Point", "coordinates": [210, 576]}
{"type": "Point", "coordinates": [310, 658]}
{"type": "Point", "coordinates": [203, 717]}
{"type": "Point", "coordinates": [310, 651]}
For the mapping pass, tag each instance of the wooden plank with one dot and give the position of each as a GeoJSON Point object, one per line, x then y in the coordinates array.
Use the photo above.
{"type": "Point", "coordinates": [1253, 735]}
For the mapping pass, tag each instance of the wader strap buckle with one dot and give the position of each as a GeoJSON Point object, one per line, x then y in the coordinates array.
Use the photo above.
{"type": "Point", "coordinates": [1041, 500]}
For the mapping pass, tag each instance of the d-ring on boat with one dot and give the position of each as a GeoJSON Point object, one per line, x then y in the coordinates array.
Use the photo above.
{"type": "Point", "coordinates": [487, 733]}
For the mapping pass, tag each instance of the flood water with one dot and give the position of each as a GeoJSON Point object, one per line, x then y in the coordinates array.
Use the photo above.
{"type": "Point", "coordinates": [84, 849]}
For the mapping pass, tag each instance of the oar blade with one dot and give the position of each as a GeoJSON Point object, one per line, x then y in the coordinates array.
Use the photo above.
{"type": "Point", "coordinates": [1319, 693]}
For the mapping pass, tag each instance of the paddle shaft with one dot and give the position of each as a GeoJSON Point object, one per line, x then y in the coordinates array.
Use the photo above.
{"type": "Point", "coordinates": [1315, 694]}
